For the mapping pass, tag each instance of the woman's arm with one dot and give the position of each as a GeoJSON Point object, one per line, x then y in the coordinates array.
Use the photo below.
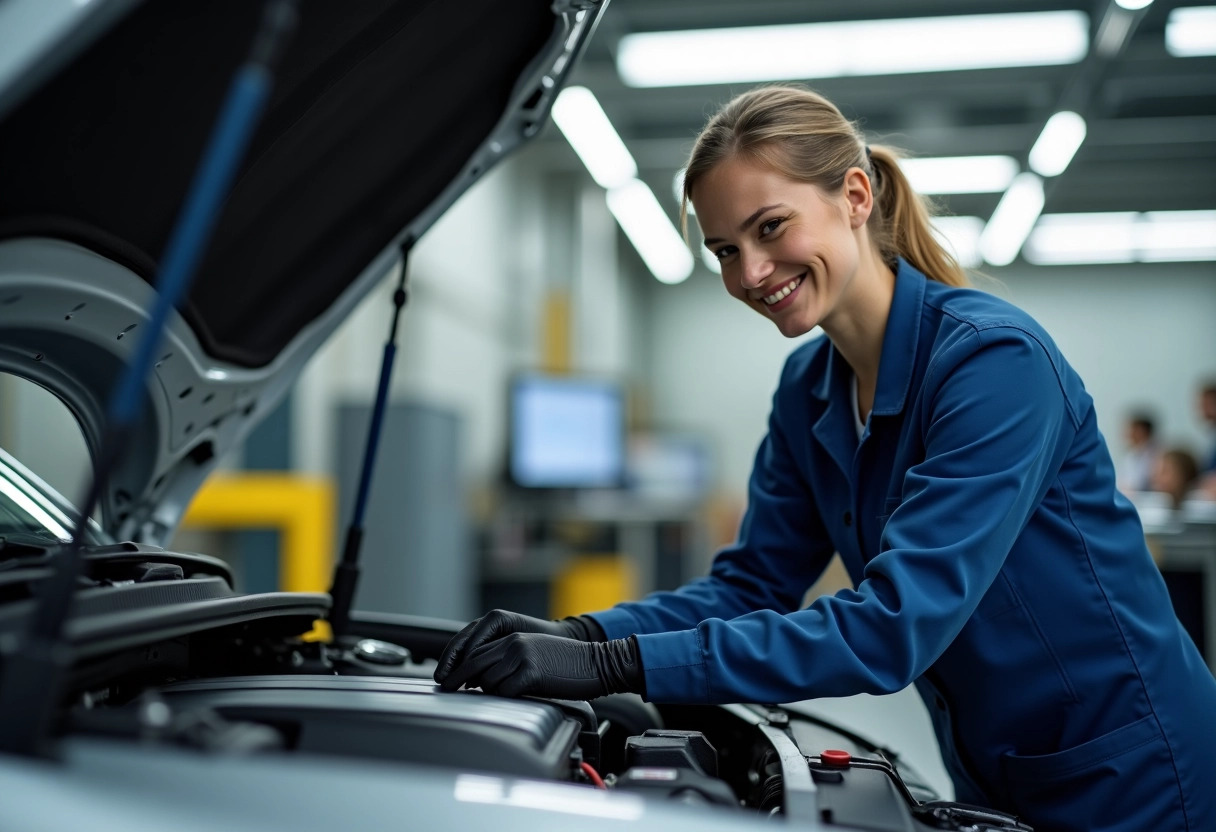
{"type": "Point", "coordinates": [997, 431]}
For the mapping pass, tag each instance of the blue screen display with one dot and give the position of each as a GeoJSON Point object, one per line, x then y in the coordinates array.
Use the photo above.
{"type": "Point", "coordinates": [567, 432]}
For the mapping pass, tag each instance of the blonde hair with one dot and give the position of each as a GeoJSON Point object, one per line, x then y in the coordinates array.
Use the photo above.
{"type": "Point", "coordinates": [801, 135]}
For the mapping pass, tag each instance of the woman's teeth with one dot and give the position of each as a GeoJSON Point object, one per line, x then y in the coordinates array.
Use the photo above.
{"type": "Point", "coordinates": [782, 292]}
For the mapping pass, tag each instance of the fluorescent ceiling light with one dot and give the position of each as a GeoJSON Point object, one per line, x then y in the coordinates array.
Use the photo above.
{"type": "Point", "coordinates": [1176, 235]}
{"type": "Point", "coordinates": [961, 236]}
{"type": "Point", "coordinates": [1123, 237]}
{"type": "Point", "coordinates": [647, 226]}
{"type": "Point", "coordinates": [1113, 32]}
{"type": "Point", "coordinates": [33, 509]}
{"type": "Point", "coordinates": [710, 260]}
{"type": "Point", "coordinates": [1133, 5]}
{"type": "Point", "coordinates": [960, 174]}
{"type": "Point", "coordinates": [1191, 32]}
{"type": "Point", "coordinates": [582, 121]}
{"type": "Point", "coordinates": [1057, 144]}
{"type": "Point", "coordinates": [870, 47]}
{"type": "Point", "coordinates": [585, 125]}
{"type": "Point", "coordinates": [1012, 220]}
{"type": "Point", "coordinates": [1061, 239]}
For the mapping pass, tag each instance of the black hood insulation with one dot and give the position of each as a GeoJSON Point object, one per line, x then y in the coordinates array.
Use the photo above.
{"type": "Point", "coordinates": [376, 108]}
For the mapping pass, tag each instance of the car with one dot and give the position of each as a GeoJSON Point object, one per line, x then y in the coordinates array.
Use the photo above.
{"type": "Point", "coordinates": [138, 688]}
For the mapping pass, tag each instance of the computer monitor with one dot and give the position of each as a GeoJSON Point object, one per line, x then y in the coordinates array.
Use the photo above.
{"type": "Point", "coordinates": [566, 432]}
{"type": "Point", "coordinates": [669, 465]}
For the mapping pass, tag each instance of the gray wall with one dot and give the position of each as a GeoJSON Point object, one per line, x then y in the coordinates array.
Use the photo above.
{"type": "Point", "coordinates": [416, 555]}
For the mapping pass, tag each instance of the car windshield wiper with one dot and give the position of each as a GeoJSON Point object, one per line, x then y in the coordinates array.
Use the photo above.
{"type": "Point", "coordinates": [103, 561]}
{"type": "Point", "coordinates": [22, 544]}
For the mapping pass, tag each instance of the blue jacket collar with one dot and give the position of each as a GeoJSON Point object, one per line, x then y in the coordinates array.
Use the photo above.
{"type": "Point", "coordinates": [898, 348]}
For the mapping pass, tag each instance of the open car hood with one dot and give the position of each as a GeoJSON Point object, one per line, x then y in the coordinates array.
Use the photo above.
{"type": "Point", "coordinates": [383, 113]}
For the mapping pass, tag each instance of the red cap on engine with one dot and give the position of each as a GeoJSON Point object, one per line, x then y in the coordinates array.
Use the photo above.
{"type": "Point", "coordinates": [832, 757]}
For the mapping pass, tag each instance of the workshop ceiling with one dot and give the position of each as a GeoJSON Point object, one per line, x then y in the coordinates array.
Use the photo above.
{"type": "Point", "coordinates": [1151, 116]}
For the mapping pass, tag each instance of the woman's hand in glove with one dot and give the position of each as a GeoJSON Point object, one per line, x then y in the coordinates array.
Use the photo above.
{"type": "Point", "coordinates": [543, 665]}
{"type": "Point", "coordinates": [498, 623]}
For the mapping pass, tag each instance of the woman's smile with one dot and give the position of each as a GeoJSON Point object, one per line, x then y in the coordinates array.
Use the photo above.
{"type": "Point", "coordinates": [783, 297]}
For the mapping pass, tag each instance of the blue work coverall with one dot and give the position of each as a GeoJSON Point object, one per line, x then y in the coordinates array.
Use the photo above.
{"type": "Point", "coordinates": [995, 566]}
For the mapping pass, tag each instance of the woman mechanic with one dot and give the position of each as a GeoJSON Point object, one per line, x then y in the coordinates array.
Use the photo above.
{"type": "Point", "coordinates": [938, 440]}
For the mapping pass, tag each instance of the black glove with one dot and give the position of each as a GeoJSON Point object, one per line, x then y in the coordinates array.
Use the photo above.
{"type": "Point", "coordinates": [543, 665]}
{"type": "Point", "coordinates": [498, 623]}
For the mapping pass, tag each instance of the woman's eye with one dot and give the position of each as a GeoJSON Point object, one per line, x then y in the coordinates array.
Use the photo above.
{"type": "Point", "coordinates": [771, 226]}
{"type": "Point", "coordinates": [724, 252]}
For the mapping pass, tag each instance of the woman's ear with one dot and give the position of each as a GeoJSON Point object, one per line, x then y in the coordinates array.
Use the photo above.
{"type": "Point", "coordinates": [858, 196]}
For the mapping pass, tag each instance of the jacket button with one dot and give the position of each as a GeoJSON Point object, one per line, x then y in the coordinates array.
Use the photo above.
{"type": "Point", "coordinates": [848, 518]}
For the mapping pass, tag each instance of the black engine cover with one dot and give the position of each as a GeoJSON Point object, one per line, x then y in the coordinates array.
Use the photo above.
{"type": "Point", "coordinates": [407, 720]}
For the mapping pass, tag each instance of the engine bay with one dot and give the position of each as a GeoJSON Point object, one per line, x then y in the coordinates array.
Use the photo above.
{"type": "Point", "coordinates": [251, 689]}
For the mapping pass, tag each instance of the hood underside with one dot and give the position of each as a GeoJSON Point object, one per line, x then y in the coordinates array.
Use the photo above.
{"type": "Point", "coordinates": [382, 113]}
{"type": "Point", "coordinates": [377, 107]}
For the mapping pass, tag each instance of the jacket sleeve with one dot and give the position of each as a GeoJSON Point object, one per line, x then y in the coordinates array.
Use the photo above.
{"type": "Point", "coordinates": [996, 432]}
{"type": "Point", "coordinates": [781, 549]}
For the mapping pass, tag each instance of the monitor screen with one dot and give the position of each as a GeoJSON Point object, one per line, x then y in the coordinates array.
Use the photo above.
{"type": "Point", "coordinates": [566, 432]}
{"type": "Point", "coordinates": [669, 466]}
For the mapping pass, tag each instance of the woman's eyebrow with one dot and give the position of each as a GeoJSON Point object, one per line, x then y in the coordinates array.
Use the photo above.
{"type": "Point", "coordinates": [743, 226]}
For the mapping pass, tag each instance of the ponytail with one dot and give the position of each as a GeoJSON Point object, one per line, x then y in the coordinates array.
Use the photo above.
{"type": "Point", "coordinates": [804, 137]}
{"type": "Point", "coordinates": [902, 225]}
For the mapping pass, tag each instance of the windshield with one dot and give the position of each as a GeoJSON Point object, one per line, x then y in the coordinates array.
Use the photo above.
{"type": "Point", "coordinates": [28, 507]}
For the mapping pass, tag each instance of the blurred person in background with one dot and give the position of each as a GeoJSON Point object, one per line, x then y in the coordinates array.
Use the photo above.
{"type": "Point", "coordinates": [939, 441]}
{"type": "Point", "coordinates": [1135, 469]}
{"type": "Point", "coordinates": [1175, 473]}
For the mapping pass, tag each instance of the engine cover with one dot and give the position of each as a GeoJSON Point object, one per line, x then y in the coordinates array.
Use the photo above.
{"type": "Point", "coordinates": [408, 720]}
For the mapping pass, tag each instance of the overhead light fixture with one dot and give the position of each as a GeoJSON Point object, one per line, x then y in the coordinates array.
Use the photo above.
{"type": "Point", "coordinates": [1123, 237]}
{"type": "Point", "coordinates": [1176, 235]}
{"type": "Point", "coordinates": [1012, 220]}
{"type": "Point", "coordinates": [583, 122]}
{"type": "Point", "coordinates": [961, 236]}
{"type": "Point", "coordinates": [650, 230]}
{"type": "Point", "coordinates": [960, 174]}
{"type": "Point", "coordinates": [1133, 5]}
{"type": "Point", "coordinates": [828, 50]}
{"type": "Point", "coordinates": [1190, 32]}
{"type": "Point", "coordinates": [1113, 32]}
{"type": "Point", "coordinates": [1065, 239]}
{"type": "Point", "coordinates": [1057, 144]}
{"type": "Point", "coordinates": [31, 507]}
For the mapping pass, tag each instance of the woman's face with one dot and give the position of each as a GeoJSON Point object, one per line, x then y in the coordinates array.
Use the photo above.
{"type": "Point", "coordinates": [788, 249]}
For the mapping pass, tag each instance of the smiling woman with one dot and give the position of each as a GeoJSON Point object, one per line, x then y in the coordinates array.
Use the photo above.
{"type": "Point", "coordinates": [938, 440]}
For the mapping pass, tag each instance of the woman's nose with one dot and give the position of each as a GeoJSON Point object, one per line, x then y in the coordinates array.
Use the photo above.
{"type": "Point", "coordinates": [755, 267]}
